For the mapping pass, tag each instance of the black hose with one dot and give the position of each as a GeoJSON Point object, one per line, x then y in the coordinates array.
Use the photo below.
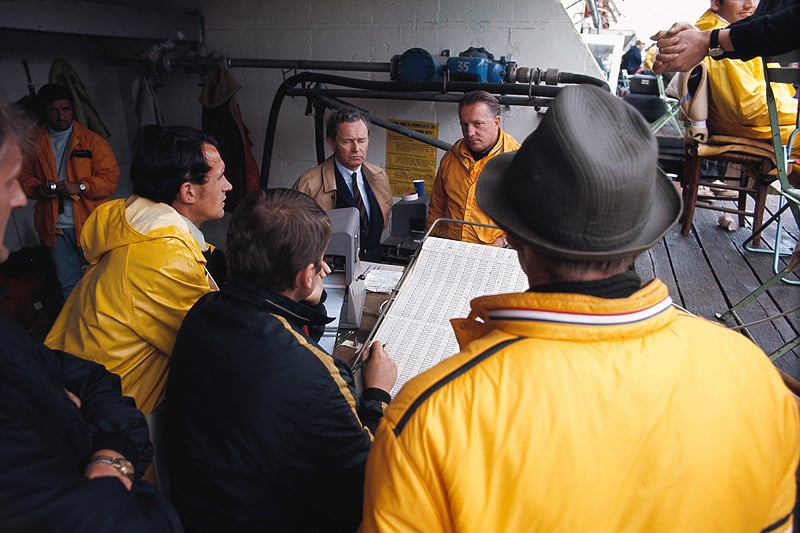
{"type": "Point", "coordinates": [391, 126]}
{"type": "Point", "coordinates": [531, 94]}
{"type": "Point", "coordinates": [319, 131]}
{"type": "Point", "coordinates": [269, 136]}
{"type": "Point", "coordinates": [422, 96]}
{"type": "Point", "coordinates": [574, 77]}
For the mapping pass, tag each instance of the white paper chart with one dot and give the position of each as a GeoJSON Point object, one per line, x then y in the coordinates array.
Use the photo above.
{"type": "Point", "coordinates": [440, 283]}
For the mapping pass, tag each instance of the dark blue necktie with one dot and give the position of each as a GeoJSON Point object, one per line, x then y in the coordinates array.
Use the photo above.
{"type": "Point", "coordinates": [362, 210]}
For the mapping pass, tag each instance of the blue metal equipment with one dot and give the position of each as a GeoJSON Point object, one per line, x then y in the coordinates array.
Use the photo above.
{"type": "Point", "coordinates": [473, 64]}
{"type": "Point", "coordinates": [476, 64]}
{"type": "Point", "coordinates": [416, 64]}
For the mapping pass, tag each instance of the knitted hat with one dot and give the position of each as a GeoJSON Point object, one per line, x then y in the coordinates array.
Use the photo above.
{"type": "Point", "coordinates": [585, 185]}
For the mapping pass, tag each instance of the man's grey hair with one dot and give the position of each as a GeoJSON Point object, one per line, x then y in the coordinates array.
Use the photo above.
{"type": "Point", "coordinates": [341, 116]}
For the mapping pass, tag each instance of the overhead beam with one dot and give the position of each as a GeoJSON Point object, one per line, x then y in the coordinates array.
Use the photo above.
{"type": "Point", "coordinates": [99, 19]}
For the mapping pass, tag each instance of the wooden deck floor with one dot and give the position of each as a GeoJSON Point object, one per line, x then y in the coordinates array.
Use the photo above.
{"type": "Point", "coordinates": [708, 270]}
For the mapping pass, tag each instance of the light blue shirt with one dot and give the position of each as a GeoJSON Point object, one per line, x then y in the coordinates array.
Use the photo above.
{"type": "Point", "coordinates": [59, 141]}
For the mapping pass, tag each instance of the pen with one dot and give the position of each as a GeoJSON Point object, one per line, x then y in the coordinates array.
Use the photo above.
{"type": "Point", "coordinates": [361, 362]}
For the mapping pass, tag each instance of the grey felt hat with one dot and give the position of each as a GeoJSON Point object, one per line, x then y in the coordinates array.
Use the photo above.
{"type": "Point", "coordinates": [585, 185]}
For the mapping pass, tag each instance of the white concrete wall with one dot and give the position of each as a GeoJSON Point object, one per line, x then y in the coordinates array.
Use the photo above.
{"type": "Point", "coordinates": [534, 33]}
{"type": "Point", "coordinates": [111, 98]}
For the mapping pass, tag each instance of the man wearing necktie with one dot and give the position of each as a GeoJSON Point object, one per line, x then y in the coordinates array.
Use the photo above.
{"type": "Point", "coordinates": [345, 179]}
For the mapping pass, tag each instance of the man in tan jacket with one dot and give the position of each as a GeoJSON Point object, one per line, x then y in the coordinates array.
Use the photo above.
{"type": "Point", "coordinates": [345, 179]}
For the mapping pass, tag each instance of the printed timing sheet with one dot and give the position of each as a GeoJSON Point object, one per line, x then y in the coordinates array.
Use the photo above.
{"type": "Point", "coordinates": [439, 286]}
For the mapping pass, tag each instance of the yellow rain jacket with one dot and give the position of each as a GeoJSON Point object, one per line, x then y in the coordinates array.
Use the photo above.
{"type": "Point", "coordinates": [453, 193]}
{"type": "Point", "coordinates": [566, 412]}
{"type": "Point", "coordinates": [737, 103]}
{"type": "Point", "coordinates": [146, 271]}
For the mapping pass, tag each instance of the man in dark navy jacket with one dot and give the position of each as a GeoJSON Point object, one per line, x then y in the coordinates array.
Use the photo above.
{"type": "Point", "coordinates": [771, 30]}
{"type": "Point", "coordinates": [265, 431]}
{"type": "Point", "coordinates": [72, 448]}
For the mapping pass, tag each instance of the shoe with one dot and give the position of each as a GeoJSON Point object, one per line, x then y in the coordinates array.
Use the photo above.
{"type": "Point", "coordinates": [723, 193]}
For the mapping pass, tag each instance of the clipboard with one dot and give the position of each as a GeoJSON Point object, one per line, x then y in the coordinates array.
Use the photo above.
{"type": "Point", "coordinates": [441, 279]}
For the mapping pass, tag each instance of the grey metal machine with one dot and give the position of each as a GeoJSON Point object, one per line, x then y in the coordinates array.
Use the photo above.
{"type": "Point", "coordinates": [406, 229]}
{"type": "Point", "coordinates": [345, 284]}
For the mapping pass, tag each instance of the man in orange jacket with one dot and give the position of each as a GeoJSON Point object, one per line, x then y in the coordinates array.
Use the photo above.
{"type": "Point", "coordinates": [453, 193]}
{"type": "Point", "coordinates": [72, 172]}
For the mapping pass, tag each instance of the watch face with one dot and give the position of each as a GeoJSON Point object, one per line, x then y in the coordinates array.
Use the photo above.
{"type": "Point", "coordinates": [124, 466]}
{"type": "Point", "coordinates": [716, 52]}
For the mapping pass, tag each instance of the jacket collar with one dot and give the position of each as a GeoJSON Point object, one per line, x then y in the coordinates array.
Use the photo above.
{"type": "Point", "coordinates": [557, 315]}
{"type": "Point", "coordinates": [298, 313]}
{"type": "Point", "coordinates": [329, 175]}
{"type": "Point", "coordinates": [462, 148]}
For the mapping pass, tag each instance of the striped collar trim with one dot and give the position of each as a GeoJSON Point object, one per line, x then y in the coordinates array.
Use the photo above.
{"type": "Point", "coordinates": [586, 319]}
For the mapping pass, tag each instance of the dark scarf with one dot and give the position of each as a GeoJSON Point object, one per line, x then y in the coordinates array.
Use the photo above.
{"type": "Point", "coordinates": [619, 286]}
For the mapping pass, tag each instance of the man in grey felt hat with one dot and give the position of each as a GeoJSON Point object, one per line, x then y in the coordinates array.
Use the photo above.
{"type": "Point", "coordinates": [587, 403]}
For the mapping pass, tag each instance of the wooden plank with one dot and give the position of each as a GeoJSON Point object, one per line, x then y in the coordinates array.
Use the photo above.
{"type": "Point", "coordinates": [739, 272]}
{"type": "Point", "coordinates": [697, 285]}
{"type": "Point", "coordinates": [655, 263]}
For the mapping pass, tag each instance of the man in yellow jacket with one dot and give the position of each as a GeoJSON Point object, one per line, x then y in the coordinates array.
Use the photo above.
{"type": "Point", "coordinates": [453, 194]}
{"type": "Point", "coordinates": [737, 101]}
{"type": "Point", "coordinates": [147, 262]}
{"type": "Point", "coordinates": [587, 403]}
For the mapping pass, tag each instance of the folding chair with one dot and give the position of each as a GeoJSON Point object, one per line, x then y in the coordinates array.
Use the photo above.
{"type": "Point", "coordinates": [755, 158]}
{"type": "Point", "coordinates": [672, 110]}
{"type": "Point", "coordinates": [790, 196]}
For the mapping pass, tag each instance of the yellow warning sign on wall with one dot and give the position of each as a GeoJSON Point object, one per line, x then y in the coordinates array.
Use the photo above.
{"type": "Point", "coordinates": [408, 159]}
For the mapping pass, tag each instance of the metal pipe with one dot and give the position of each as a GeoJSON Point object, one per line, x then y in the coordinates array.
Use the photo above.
{"type": "Point", "coordinates": [354, 66]}
{"type": "Point", "coordinates": [427, 86]}
{"type": "Point", "coordinates": [290, 64]}
{"type": "Point", "coordinates": [532, 101]}
{"type": "Point", "coordinates": [526, 76]}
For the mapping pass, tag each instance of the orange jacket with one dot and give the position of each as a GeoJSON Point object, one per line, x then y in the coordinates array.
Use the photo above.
{"type": "Point", "coordinates": [453, 193]}
{"type": "Point", "coordinates": [91, 162]}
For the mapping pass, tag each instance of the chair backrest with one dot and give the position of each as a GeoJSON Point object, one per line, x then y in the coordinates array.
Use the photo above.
{"type": "Point", "coordinates": [693, 97]}
{"type": "Point", "coordinates": [672, 110]}
{"type": "Point", "coordinates": [775, 72]}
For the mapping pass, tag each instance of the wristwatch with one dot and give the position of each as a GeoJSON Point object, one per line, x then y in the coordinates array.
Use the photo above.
{"type": "Point", "coordinates": [714, 49]}
{"type": "Point", "coordinates": [82, 186]}
{"type": "Point", "coordinates": [120, 463]}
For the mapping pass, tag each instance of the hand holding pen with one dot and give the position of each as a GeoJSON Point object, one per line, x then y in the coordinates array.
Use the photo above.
{"type": "Point", "coordinates": [378, 368]}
